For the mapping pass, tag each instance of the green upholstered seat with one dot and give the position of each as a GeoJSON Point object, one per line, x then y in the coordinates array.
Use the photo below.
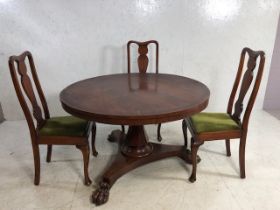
{"type": "Point", "coordinates": [64, 126]}
{"type": "Point", "coordinates": [213, 122]}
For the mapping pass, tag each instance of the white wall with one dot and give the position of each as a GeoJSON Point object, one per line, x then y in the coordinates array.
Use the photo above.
{"type": "Point", "coordinates": [72, 40]}
{"type": "Point", "coordinates": [271, 99]}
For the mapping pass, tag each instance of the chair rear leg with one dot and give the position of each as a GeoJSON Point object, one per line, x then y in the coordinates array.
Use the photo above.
{"type": "Point", "coordinates": [242, 156]}
{"type": "Point", "coordinates": [93, 136]}
{"type": "Point", "coordinates": [36, 156]}
{"type": "Point", "coordinates": [49, 153]}
{"type": "Point", "coordinates": [185, 132]}
{"type": "Point", "coordinates": [159, 138]}
{"type": "Point", "coordinates": [194, 148]}
{"type": "Point", "coordinates": [85, 151]}
{"type": "Point", "coordinates": [123, 129]}
{"type": "Point", "coordinates": [228, 147]}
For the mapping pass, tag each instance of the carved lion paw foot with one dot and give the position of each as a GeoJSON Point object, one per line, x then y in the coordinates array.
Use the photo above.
{"type": "Point", "coordinates": [101, 195]}
{"type": "Point", "coordinates": [115, 136]}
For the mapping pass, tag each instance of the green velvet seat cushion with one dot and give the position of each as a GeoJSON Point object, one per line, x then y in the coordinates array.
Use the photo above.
{"type": "Point", "coordinates": [64, 126]}
{"type": "Point", "coordinates": [213, 122]}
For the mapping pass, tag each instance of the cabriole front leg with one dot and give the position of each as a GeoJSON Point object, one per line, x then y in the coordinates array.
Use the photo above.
{"type": "Point", "coordinates": [194, 148]}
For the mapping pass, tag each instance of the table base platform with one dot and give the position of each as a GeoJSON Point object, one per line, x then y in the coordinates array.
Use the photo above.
{"type": "Point", "coordinates": [134, 151]}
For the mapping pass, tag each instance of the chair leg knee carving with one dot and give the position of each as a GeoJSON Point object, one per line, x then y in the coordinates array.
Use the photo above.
{"type": "Point", "coordinates": [85, 151]}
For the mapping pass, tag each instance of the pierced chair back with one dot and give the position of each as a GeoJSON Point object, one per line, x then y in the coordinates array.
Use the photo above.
{"type": "Point", "coordinates": [143, 62]}
{"type": "Point", "coordinates": [143, 59]}
{"type": "Point", "coordinates": [246, 82]}
{"type": "Point", "coordinates": [24, 89]}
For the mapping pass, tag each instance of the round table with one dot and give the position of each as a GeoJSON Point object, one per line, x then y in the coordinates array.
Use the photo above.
{"type": "Point", "coordinates": [136, 100]}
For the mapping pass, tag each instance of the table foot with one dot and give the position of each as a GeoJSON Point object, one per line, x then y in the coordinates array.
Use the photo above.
{"type": "Point", "coordinates": [116, 136]}
{"type": "Point", "coordinates": [101, 195]}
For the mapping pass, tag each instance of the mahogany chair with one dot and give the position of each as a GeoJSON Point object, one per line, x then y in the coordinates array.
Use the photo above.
{"type": "Point", "coordinates": [67, 130]}
{"type": "Point", "coordinates": [231, 125]}
{"type": "Point", "coordinates": [143, 62]}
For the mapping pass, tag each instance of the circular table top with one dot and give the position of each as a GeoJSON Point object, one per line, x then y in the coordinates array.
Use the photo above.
{"type": "Point", "coordinates": [135, 99]}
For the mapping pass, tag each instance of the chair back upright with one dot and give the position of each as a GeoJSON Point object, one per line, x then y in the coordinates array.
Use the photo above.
{"type": "Point", "coordinates": [24, 89]}
{"type": "Point", "coordinates": [255, 59]}
{"type": "Point", "coordinates": [143, 59]}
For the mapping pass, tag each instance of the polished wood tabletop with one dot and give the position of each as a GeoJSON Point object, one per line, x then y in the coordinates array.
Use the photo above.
{"type": "Point", "coordinates": [135, 99]}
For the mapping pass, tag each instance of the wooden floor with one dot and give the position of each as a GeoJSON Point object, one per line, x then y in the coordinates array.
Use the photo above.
{"type": "Point", "coordinates": [159, 185]}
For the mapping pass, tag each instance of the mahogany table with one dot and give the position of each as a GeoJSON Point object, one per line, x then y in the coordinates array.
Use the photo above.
{"type": "Point", "coordinates": [135, 100]}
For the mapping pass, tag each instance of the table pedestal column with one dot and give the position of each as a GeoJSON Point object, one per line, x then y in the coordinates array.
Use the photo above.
{"type": "Point", "coordinates": [136, 143]}
{"type": "Point", "coordinates": [134, 151]}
